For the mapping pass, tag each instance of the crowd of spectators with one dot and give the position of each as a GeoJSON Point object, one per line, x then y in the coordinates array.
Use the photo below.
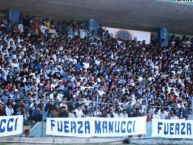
{"type": "Point", "coordinates": [60, 69]}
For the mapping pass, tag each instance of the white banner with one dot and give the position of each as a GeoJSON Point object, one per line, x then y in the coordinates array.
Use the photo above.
{"type": "Point", "coordinates": [172, 128]}
{"type": "Point", "coordinates": [11, 125]}
{"type": "Point", "coordinates": [99, 127]}
{"type": "Point", "coordinates": [125, 34]}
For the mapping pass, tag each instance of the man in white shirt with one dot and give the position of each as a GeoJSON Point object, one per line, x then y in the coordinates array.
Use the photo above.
{"type": "Point", "coordinates": [155, 115]}
{"type": "Point", "coordinates": [20, 27]}
{"type": "Point", "coordinates": [83, 33]}
{"type": "Point", "coordinates": [86, 65]}
{"type": "Point", "coordinates": [43, 28]}
{"type": "Point", "coordinates": [15, 64]}
{"type": "Point", "coordinates": [72, 114]}
{"type": "Point", "coordinates": [79, 112]}
{"type": "Point", "coordinates": [163, 114]}
{"type": "Point", "coordinates": [9, 110]}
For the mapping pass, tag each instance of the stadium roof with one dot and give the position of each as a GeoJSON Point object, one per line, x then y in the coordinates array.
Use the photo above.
{"type": "Point", "coordinates": [133, 14]}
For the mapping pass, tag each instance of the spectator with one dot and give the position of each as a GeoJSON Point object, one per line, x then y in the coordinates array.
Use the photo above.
{"type": "Point", "coordinates": [63, 112]}
{"type": "Point", "coordinates": [21, 27]}
{"type": "Point", "coordinates": [9, 110]}
{"type": "Point", "coordinates": [36, 114]}
{"type": "Point", "coordinates": [79, 112]}
{"type": "Point", "coordinates": [155, 115]}
{"type": "Point", "coordinates": [2, 111]}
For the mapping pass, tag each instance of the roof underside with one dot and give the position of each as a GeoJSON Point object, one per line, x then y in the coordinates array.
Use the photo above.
{"type": "Point", "coordinates": [132, 14]}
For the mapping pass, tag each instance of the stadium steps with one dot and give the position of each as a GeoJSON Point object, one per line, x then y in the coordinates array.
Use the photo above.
{"type": "Point", "coordinates": [36, 130]}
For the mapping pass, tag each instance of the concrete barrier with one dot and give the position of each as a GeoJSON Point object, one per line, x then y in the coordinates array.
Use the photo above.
{"type": "Point", "coordinates": [59, 140]}
{"type": "Point", "coordinates": [161, 141]}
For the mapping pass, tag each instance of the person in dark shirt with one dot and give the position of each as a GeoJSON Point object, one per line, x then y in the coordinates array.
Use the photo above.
{"type": "Point", "coordinates": [36, 114]}
{"type": "Point", "coordinates": [63, 112]}
{"type": "Point", "coordinates": [2, 110]}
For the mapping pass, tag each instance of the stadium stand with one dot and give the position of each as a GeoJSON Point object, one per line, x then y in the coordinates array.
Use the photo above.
{"type": "Point", "coordinates": [60, 69]}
